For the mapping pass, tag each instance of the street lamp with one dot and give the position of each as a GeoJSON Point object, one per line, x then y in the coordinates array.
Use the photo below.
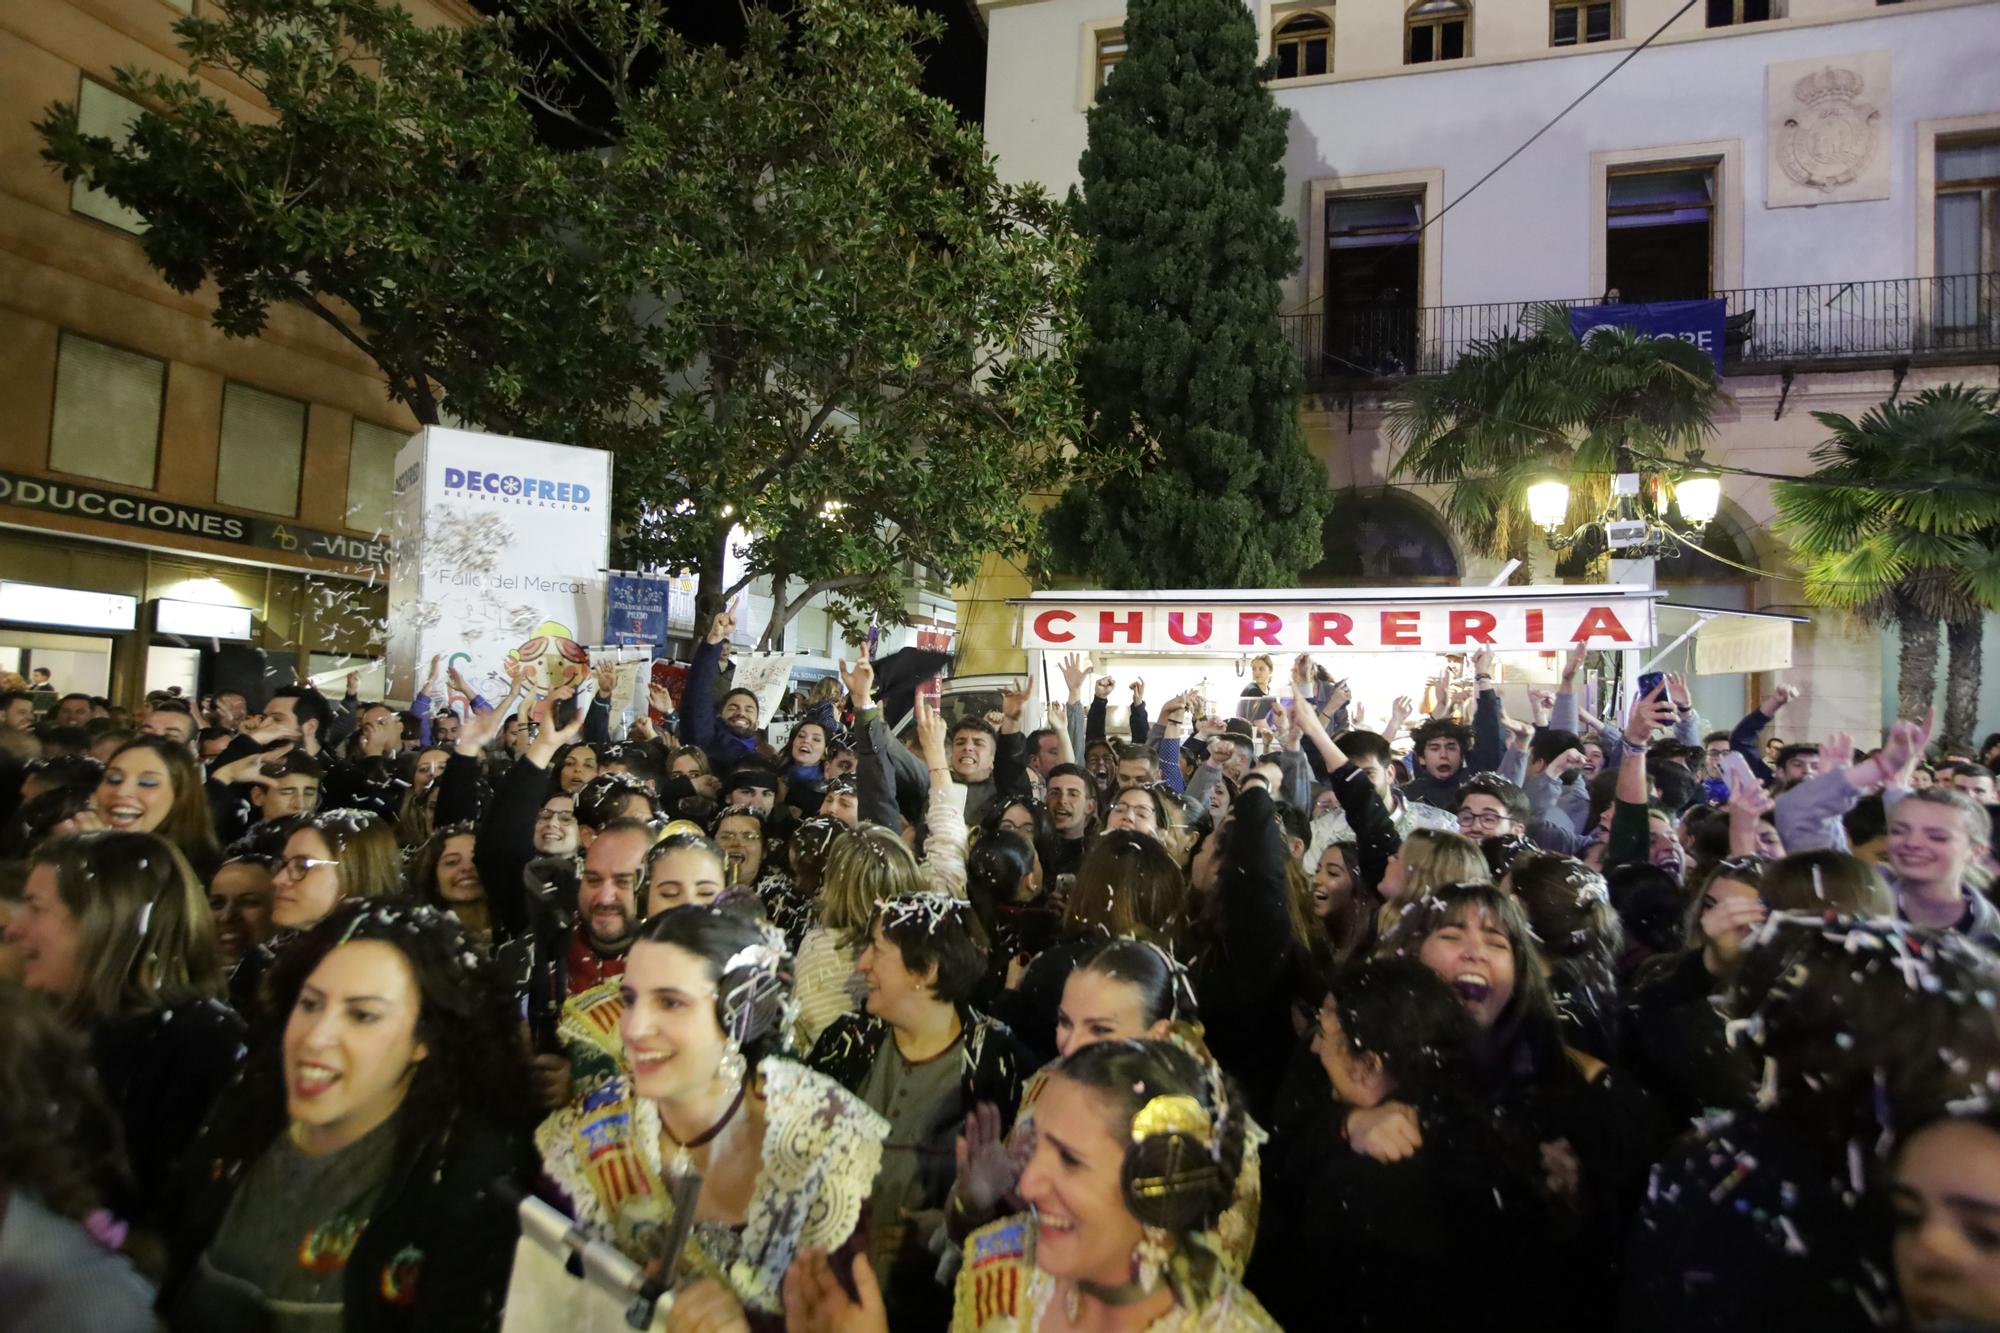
{"type": "Point", "coordinates": [1698, 495]}
{"type": "Point", "coordinates": [1548, 503]}
{"type": "Point", "coordinates": [1626, 530]}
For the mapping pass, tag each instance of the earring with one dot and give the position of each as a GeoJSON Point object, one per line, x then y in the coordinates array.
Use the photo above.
{"type": "Point", "coordinates": [1153, 1251]}
{"type": "Point", "coordinates": [731, 1068]}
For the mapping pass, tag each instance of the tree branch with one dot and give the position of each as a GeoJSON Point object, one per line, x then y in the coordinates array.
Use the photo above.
{"type": "Point", "coordinates": [813, 590]}
{"type": "Point", "coordinates": [796, 455]}
{"type": "Point", "coordinates": [411, 390]}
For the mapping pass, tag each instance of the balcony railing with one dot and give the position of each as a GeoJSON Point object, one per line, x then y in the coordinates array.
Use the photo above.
{"type": "Point", "coordinates": [1938, 320]}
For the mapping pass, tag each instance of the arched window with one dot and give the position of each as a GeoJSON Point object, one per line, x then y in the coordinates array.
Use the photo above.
{"type": "Point", "coordinates": [1436, 30]}
{"type": "Point", "coordinates": [1303, 44]}
{"type": "Point", "coordinates": [1381, 539]}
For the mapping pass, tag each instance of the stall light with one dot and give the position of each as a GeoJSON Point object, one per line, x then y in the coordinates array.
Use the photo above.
{"type": "Point", "coordinates": [73, 608]}
{"type": "Point", "coordinates": [201, 620]}
{"type": "Point", "coordinates": [1548, 503]}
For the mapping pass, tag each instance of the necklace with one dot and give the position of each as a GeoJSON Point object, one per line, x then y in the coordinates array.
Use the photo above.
{"type": "Point", "coordinates": [681, 1162]}
{"type": "Point", "coordinates": [1125, 1293]}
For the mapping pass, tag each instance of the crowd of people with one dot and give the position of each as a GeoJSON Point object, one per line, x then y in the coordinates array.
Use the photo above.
{"type": "Point", "coordinates": [899, 1022]}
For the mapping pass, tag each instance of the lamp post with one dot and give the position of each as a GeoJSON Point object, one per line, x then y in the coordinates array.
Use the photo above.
{"type": "Point", "coordinates": [1631, 536]}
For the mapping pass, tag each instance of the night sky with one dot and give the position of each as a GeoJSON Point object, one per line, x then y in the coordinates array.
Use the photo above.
{"type": "Point", "coordinates": [954, 68]}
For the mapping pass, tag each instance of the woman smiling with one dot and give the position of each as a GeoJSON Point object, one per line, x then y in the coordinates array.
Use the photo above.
{"type": "Point", "coordinates": [923, 1058]}
{"type": "Point", "coordinates": [1136, 1156]}
{"type": "Point", "coordinates": [348, 1179]}
{"type": "Point", "coordinates": [785, 1156]}
{"type": "Point", "coordinates": [115, 929]}
{"type": "Point", "coordinates": [151, 785]}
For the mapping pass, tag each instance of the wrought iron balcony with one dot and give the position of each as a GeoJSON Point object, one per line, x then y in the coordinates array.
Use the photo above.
{"type": "Point", "coordinates": [1826, 325]}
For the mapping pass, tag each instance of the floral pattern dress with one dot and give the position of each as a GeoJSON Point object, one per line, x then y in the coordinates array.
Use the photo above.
{"type": "Point", "coordinates": [822, 1147]}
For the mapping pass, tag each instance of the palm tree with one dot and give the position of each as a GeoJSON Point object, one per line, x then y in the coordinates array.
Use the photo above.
{"type": "Point", "coordinates": [1536, 399]}
{"type": "Point", "coordinates": [1878, 534]}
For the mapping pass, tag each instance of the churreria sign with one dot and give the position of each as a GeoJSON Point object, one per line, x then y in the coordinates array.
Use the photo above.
{"type": "Point", "coordinates": [507, 488]}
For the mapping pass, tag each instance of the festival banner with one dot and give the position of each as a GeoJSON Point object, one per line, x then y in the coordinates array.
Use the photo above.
{"type": "Point", "coordinates": [766, 675]}
{"type": "Point", "coordinates": [1698, 322]}
{"type": "Point", "coordinates": [1372, 620]}
{"type": "Point", "coordinates": [636, 609]}
{"type": "Point", "coordinates": [501, 545]}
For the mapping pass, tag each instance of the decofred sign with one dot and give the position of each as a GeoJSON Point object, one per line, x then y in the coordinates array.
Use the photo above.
{"type": "Point", "coordinates": [1367, 620]}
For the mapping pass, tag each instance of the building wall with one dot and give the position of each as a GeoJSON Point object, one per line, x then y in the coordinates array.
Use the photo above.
{"type": "Point", "coordinates": [61, 271]}
{"type": "Point", "coordinates": [1535, 231]}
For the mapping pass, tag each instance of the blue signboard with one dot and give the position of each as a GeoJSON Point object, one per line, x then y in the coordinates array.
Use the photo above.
{"type": "Point", "coordinates": [1697, 322]}
{"type": "Point", "coordinates": [635, 610]}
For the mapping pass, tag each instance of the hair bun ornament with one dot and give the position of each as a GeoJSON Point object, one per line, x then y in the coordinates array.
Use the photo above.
{"type": "Point", "coordinates": [1172, 1175]}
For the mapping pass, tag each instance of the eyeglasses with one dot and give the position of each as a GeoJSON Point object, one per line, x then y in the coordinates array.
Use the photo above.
{"type": "Point", "coordinates": [561, 818]}
{"type": "Point", "coordinates": [738, 836]}
{"type": "Point", "coordinates": [1489, 819]}
{"type": "Point", "coordinates": [298, 867]}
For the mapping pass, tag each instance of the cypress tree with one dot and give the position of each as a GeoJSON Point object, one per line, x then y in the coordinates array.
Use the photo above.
{"type": "Point", "coordinates": [1186, 369]}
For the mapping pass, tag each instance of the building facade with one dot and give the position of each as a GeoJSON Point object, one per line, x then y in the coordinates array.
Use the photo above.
{"type": "Point", "coordinates": [1829, 167]}
{"type": "Point", "coordinates": [151, 467]}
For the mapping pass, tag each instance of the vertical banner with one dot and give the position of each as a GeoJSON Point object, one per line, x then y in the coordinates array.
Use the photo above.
{"type": "Point", "coordinates": [765, 675]}
{"type": "Point", "coordinates": [633, 671]}
{"type": "Point", "coordinates": [501, 545]}
{"type": "Point", "coordinates": [636, 609]}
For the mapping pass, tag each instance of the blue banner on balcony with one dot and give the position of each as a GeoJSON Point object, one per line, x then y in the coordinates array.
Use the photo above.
{"type": "Point", "coordinates": [1697, 322]}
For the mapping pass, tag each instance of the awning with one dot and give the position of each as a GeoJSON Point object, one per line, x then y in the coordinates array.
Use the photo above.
{"type": "Point", "coordinates": [1729, 642]}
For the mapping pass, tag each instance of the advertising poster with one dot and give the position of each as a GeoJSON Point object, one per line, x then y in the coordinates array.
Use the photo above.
{"type": "Point", "coordinates": [501, 546]}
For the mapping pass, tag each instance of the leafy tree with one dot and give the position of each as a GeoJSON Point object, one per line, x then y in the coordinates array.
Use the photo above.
{"type": "Point", "coordinates": [397, 194]}
{"type": "Point", "coordinates": [784, 287]}
{"type": "Point", "coordinates": [1524, 403]}
{"type": "Point", "coordinates": [1189, 381]}
{"type": "Point", "coordinates": [1878, 532]}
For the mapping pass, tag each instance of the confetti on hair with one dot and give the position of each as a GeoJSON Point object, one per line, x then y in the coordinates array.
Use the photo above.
{"type": "Point", "coordinates": [930, 909]}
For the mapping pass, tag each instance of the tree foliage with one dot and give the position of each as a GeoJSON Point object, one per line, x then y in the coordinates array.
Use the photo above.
{"type": "Point", "coordinates": [784, 287]}
{"type": "Point", "coordinates": [1528, 402]}
{"type": "Point", "coordinates": [1878, 534]}
{"type": "Point", "coordinates": [1189, 382]}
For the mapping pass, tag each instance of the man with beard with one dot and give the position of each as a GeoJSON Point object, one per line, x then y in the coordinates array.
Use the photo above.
{"type": "Point", "coordinates": [728, 734]}
{"type": "Point", "coordinates": [567, 960]}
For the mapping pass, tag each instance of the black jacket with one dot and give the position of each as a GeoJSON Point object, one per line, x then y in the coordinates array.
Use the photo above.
{"type": "Point", "coordinates": [162, 1072]}
{"type": "Point", "coordinates": [994, 1065]}
{"type": "Point", "coordinates": [1746, 1227]}
{"type": "Point", "coordinates": [1678, 1044]}
{"type": "Point", "coordinates": [1242, 950]}
{"type": "Point", "coordinates": [1348, 1242]}
{"type": "Point", "coordinates": [1030, 1008]}
{"type": "Point", "coordinates": [439, 1247]}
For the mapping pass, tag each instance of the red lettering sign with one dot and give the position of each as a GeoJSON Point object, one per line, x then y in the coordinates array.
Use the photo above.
{"type": "Point", "coordinates": [1401, 627]}
{"type": "Point", "coordinates": [1601, 620]}
{"type": "Point", "coordinates": [1472, 627]}
{"type": "Point", "coordinates": [1204, 625]}
{"type": "Point", "coordinates": [1047, 619]}
{"type": "Point", "coordinates": [1324, 627]}
{"type": "Point", "coordinates": [1258, 627]}
{"type": "Point", "coordinates": [1131, 624]}
{"type": "Point", "coordinates": [1535, 626]}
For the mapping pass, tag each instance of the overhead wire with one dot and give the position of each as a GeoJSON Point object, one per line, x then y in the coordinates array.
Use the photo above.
{"type": "Point", "coordinates": [1574, 103]}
